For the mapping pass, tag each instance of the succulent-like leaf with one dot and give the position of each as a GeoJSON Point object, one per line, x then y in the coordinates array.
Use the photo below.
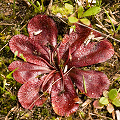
{"type": "Point", "coordinates": [64, 100]}
{"type": "Point", "coordinates": [104, 100]}
{"type": "Point", "coordinates": [28, 94]}
{"type": "Point", "coordinates": [42, 30]}
{"type": "Point", "coordinates": [116, 101]}
{"type": "Point", "coordinates": [27, 70]}
{"type": "Point", "coordinates": [112, 94]}
{"type": "Point", "coordinates": [92, 53]}
{"type": "Point", "coordinates": [95, 82]}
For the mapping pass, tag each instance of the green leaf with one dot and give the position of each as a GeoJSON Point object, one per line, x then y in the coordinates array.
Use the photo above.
{"type": "Point", "coordinates": [34, 5]}
{"type": "Point", "coordinates": [85, 21]}
{"type": "Point", "coordinates": [68, 8]}
{"type": "Point", "coordinates": [80, 11]}
{"type": "Point", "coordinates": [118, 90]}
{"type": "Point", "coordinates": [84, 84]}
{"type": "Point", "coordinates": [98, 2]}
{"type": "Point", "coordinates": [38, 3]}
{"type": "Point", "coordinates": [112, 94]}
{"type": "Point", "coordinates": [15, 55]}
{"type": "Point", "coordinates": [104, 100]}
{"type": "Point", "coordinates": [21, 55]}
{"type": "Point", "coordinates": [116, 102]}
{"type": "Point", "coordinates": [91, 11]}
{"type": "Point", "coordinates": [110, 20]}
{"type": "Point", "coordinates": [72, 19]}
{"type": "Point", "coordinates": [43, 8]}
{"type": "Point", "coordinates": [118, 28]}
{"type": "Point", "coordinates": [4, 82]}
{"type": "Point", "coordinates": [73, 27]}
{"type": "Point", "coordinates": [10, 74]}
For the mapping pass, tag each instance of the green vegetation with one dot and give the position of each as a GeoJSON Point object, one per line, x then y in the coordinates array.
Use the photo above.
{"type": "Point", "coordinates": [110, 99]}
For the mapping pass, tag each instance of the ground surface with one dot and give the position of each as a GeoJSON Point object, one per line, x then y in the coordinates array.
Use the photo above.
{"type": "Point", "coordinates": [14, 16]}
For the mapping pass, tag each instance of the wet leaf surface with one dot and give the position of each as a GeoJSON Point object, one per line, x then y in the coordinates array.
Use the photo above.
{"type": "Point", "coordinates": [64, 101]}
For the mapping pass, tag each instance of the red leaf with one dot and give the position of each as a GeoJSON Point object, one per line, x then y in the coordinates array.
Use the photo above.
{"type": "Point", "coordinates": [64, 103]}
{"type": "Point", "coordinates": [31, 53]}
{"type": "Point", "coordinates": [42, 29]}
{"type": "Point", "coordinates": [48, 81]}
{"type": "Point", "coordinates": [95, 82]}
{"type": "Point", "coordinates": [64, 45]}
{"type": "Point", "coordinates": [97, 34]}
{"type": "Point", "coordinates": [75, 39]}
{"type": "Point", "coordinates": [92, 53]}
{"type": "Point", "coordinates": [28, 94]}
{"type": "Point", "coordinates": [78, 37]}
{"type": "Point", "coordinates": [27, 71]}
{"type": "Point", "coordinates": [97, 104]}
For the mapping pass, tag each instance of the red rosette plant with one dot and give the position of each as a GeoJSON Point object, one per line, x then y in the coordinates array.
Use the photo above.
{"type": "Point", "coordinates": [54, 68]}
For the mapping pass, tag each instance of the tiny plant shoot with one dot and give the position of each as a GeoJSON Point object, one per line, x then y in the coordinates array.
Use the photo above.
{"type": "Point", "coordinates": [109, 99]}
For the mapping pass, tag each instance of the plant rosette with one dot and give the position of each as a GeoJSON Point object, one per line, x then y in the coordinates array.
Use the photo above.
{"type": "Point", "coordinates": [54, 68]}
{"type": "Point", "coordinates": [109, 99]}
